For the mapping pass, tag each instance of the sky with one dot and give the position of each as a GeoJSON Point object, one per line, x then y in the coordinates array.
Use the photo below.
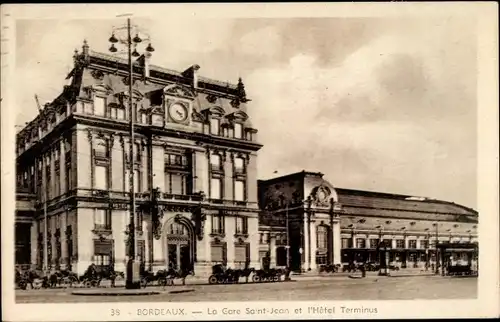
{"type": "Point", "coordinates": [379, 104]}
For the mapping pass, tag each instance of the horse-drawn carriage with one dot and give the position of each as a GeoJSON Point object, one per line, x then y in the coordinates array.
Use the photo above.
{"type": "Point", "coordinates": [164, 277]}
{"type": "Point", "coordinates": [268, 275]}
{"type": "Point", "coordinates": [65, 278]}
{"type": "Point", "coordinates": [36, 279]}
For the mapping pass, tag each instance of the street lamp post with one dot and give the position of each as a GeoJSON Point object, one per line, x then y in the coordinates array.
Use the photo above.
{"type": "Point", "coordinates": [133, 266]}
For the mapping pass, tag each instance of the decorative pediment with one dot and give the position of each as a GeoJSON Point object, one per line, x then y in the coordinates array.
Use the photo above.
{"type": "Point", "coordinates": [239, 116]}
{"type": "Point", "coordinates": [179, 91]}
{"type": "Point", "coordinates": [197, 116]}
{"type": "Point", "coordinates": [211, 98]}
{"type": "Point", "coordinates": [97, 74]}
{"type": "Point", "coordinates": [104, 88]}
{"type": "Point", "coordinates": [214, 111]}
{"type": "Point", "coordinates": [136, 94]}
{"type": "Point", "coordinates": [321, 196]}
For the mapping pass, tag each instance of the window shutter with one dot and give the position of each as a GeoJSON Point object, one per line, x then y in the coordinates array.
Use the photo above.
{"type": "Point", "coordinates": [102, 247]}
{"type": "Point", "coordinates": [217, 253]}
{"type": "Point", "coordinates": [240, 253]}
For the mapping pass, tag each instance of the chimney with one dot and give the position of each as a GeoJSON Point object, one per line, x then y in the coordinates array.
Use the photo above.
{"type": "Point", "coordinates": [85, 50]}
{"type": "Point", "coordinates": [192, 73]}
{"type": "Point", "coordinates": [144, 63]}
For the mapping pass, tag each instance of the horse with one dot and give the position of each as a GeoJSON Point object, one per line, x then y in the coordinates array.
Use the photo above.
{"type": "Point", "coordinates": [246, 272]}
{"type": "Point", "coordinates": [181, 274]}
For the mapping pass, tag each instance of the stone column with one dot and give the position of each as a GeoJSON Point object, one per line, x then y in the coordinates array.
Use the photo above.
{"type": "Point", "coordinates": [118, 218]}
{"type": "Point", "coordinates": [34, 243]}
{"type": "Point", "coordinates": [272, 250]}
{"type": "Point", "coordinates": [52, 241]}
{"type": "Point", "coordinates": [306, 243]}
{"type": "Point", "coordinates": [337, 243]}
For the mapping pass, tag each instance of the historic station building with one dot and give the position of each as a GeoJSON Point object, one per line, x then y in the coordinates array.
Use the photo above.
{"type": "Point", "coordinates": [328, 225]}
{"type": "Point", "coordinates": [194, 141]}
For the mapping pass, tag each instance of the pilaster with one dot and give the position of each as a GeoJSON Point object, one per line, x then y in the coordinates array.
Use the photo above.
{"type": "Point", "coordinates": [63, 239]}
{"type": "Point", "coordinates": [313, 244]}
{"type": "Point", "coordinates": [306, 243]}
{"type": "Point", "coordinates": [337, 243]}
{"type": "Point", "coordinates": [62, 167]}
{"type": "Point", "coordinates": [34, 243]}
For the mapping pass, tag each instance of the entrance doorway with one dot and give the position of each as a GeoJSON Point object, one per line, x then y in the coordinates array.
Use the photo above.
{"type": "Point", "coordinates": [179, 247]}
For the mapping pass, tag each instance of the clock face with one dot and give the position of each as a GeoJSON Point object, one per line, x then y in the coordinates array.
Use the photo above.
{"type": "Point", "coordinates": [178, 112]}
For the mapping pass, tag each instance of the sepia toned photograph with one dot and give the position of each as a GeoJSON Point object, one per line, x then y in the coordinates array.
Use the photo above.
{"type": "Point", "coordinates": [244, 159]}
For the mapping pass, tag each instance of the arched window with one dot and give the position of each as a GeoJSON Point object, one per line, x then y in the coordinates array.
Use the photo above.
{"type": "Point", "coordinates": [322, 237]}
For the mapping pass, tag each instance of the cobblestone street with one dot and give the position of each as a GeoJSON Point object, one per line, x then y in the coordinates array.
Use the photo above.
{"type": "Point", "coordinates": [371, 288]}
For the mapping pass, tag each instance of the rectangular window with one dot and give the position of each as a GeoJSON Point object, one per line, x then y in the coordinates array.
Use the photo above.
{"type": "Point", "coordinates": [99, 106]}
{"type": "Point", "coordinates": [157, 119]}
{"type": "Point", "coordinates": [216, 162]}
{"type": "Point", "coordinates": [374, 243]}
{"type": "Point", "coordinates": [360, 243]}
{"type": "Point", "coordinates": [102, 219]}
{"type": "Point", "coordinates": [214, 126]}
{"type": "Point", "coordinates": [218, 223]}
{"type": "Point", "coordinates": [412, 244]}
{"type": "Point", "coordinates": [57, 183]}
{"type": "Point", "coordinates": [216, 188]}
{"type": "Point", "coordinates": [137, 181]}
{"type": "Point", "coordinates": [238, 131]}
{"type": "Point", "coordinates": [239, 190]}
{"type": "Point", "coordinates": [239, 165]}
{"type": "Point", "coordinates": [69, 241]}
{"type": "Point", "coordinates": [346, 242]}
{"type": "Point", "coordinates": [101, 177]}
{"type": "Point", "coordinates": [140, 221]}
{"type": "Point", "coordinates": [68, 177]}
{"type": "Point", "coordinates": [118, 113]}
{"type": "Point", "coordinates": [178, 184]}
{"type": "Point", "coordinates": [241, 225]}
{"type": "Point", "coordinates": [424, 244]}
{"type": "Point", "coordinates": [388, 243]}
{"type": "Point", "coordinates": [400, 243]}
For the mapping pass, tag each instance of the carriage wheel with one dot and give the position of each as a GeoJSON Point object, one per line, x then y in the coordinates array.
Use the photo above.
{"type": "Point", "coordinates": [22, 285]}
{"type": "Point", "coordinates": [88, 284]}
{"type": "Point", "coordinates": [72, 280]}
{"type": "Point", "coordinates": [256, 278]}
{"type": "Point", "coordinates": [212, 279]}
{"type": "Point", "coordinates": [276, 278]}
{"type": "Point", "coordinates": [162, 281]}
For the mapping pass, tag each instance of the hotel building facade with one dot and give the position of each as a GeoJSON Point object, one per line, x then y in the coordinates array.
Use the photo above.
{"type": "Point", "coordinates": [194, 142]}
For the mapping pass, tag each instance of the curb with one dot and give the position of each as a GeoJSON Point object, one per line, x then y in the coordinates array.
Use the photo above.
{"type": "Point", "coordinates": [114, 293]}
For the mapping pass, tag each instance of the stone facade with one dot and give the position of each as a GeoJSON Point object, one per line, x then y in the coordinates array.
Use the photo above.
{"type": "Point", "coordinates": [193, 141]}
{"type": "Point", "coordinates": [330, 225]}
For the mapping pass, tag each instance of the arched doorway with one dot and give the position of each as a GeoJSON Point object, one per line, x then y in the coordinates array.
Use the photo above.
{"type": "Point", "coordinates": [180, 245]}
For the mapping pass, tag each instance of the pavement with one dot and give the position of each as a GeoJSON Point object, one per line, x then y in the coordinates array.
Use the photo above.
{"type": "Point", "coordinates": [319, 289]}
{"type": "Point", "coordinates": [309, 276]}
